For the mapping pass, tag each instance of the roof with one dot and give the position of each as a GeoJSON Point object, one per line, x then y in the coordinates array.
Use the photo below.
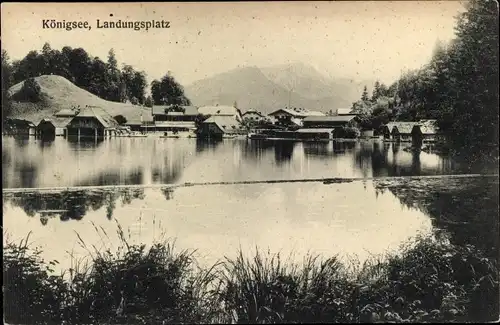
{"type": "Point", "coordinates": [297, 112]}
{"type": "Point", "coordinates": [252, 111]}
{"type": "Point", "coordinates": [65, 113]}
{"type": "Point", "coordinates": [402, 127]}
{"type": "Point", "coordinates": [344, 111]}
{"type": "Point", "coordinates": [19, 121]}
{"type": "Point", "coordinates": [225, 123]}
{"type": "Point", "coordinates": [218, 110]}
{"type": "Point", "coordinates": [58, 122]}
{"type": "Point", "coordinates": [338, 118]}
{"type": "Point", "coordinates": [176, 124]}
{"type": "Point", "coordinates": [428, 126]}
{"type": "Point", "coordinates": [162, 110]}
{"type": "Point", "coordinates": [315, 130]}
{"type": "Point", "coordinates": [101, 115]}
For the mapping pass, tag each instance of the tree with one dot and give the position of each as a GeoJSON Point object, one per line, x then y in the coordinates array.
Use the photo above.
{"type": "Point", "coordinates": [6, 83]}
{"type": "Point", "coordinates": [135, 82]}
{"type": "Point", "coordinates": [168, 92]}
{"type": "Point", "coordinates": [376, 91]}
{"type": "Point", "coordinates": [148, 102]}
{"type": "Point", "coordinates": [474, 71]}
{"type": "Point", "coordinates": [364, 95]}
{"type": "Point", "coordinates": [30, 91]}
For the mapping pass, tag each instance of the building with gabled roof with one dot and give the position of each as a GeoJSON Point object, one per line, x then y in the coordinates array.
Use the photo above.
{"type": "Point", "coordinates": [53, 126]}
{"type": "Point", "coordinates": [217, 126]}
{"type": "Point", "coordinates": [92, 121]}
{"type": "Point", "coordinates": [426, 131]}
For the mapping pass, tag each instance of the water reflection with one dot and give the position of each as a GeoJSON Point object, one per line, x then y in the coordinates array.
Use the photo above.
{"type": "Point", "coordinates": [71, 205]}
{"type": "Point", "coordinates": [218, 220]}
{"type": "Point", "coordinates": [144, 161]}
{"type": "Point", "coordinates": [466, 208]}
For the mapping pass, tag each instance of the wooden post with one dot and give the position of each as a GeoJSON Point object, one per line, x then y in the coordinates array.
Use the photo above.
{"type": "Point", "coordinates": [78, 132]}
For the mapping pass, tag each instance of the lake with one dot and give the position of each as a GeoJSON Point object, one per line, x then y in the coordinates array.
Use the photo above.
{"type": "Point", "coordinates": [357, 218]}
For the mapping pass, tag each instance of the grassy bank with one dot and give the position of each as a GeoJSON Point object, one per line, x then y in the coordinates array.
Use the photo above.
{"type": "Point", "coordinates": [432, 281]}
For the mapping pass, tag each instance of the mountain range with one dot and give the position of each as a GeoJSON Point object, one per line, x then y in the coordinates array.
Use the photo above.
{"type": "Point", "coordinates": [269, 88]}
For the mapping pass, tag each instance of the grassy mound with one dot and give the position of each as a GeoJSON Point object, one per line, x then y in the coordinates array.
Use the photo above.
{"type": "Point", "coordinates": [430, 282]}
{"type": "Point", "coordinates": [59, 93]}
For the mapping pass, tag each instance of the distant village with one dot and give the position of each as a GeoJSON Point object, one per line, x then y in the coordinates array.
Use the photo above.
{"type": "Point", "coordinates": [219, 122]}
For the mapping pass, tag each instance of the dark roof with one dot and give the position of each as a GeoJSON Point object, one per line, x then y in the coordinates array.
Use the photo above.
{"type": "Point", "coordinates": [162, 110]}
{"type": "Point", "coordinates": [296, 112]}
{"type": "Point", "coordinates": [339, 118]}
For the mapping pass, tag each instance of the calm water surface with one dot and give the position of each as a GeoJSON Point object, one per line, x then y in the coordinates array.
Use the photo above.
{"type": "Point", "coordinates": [136, 161]}
{"type": "Point", "coordinates": [348, 218]}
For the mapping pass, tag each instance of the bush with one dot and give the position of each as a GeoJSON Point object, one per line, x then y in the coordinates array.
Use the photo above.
{"type": "Point", "coordinates": [30, 91]}
{"type": "Point", "coordinates": [120, 119]}
{"type": "Point", "coordinates": [347, 132]}
{"type": "Point", "coordinates": [430, 281]}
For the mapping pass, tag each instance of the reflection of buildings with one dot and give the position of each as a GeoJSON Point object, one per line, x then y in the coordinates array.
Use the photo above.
{"type": "Point", "coordinates": [385, 159]}
{"type": "Point", "coordinates": [283, 151]}
{"type": "Point", "coordinates": [203, 144]}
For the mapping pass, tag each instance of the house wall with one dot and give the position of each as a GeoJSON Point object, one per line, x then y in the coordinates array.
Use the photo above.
{"type": "Point", "coordinates": [86, 122]}
{"type": "Point", "coordinates": [253, 117]}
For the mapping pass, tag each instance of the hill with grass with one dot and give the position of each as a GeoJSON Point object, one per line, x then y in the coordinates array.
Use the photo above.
{"type": "Point", "coordinates": [58, 93]}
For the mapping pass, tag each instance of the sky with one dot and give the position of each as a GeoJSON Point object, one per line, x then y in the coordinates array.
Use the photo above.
{"type": "Point", "coordinates": [355, 39]}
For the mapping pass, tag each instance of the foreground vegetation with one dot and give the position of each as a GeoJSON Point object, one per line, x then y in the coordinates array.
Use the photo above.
{"type": "Point", "coordinates": [430, 281]}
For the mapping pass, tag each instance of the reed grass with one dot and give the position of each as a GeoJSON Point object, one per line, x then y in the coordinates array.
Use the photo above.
{"type": "Point", "coordinates": [430, 281]}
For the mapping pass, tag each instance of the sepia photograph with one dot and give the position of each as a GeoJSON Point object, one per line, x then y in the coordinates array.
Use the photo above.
{"type": "Point", "coordinates": [250, 162]}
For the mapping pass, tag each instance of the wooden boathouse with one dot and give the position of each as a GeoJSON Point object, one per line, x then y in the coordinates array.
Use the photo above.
{"type": "Point", "coordinates": [92, 122]}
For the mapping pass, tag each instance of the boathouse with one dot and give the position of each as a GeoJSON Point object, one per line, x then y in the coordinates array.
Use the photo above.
{"type": "Point", "coordinates": [92, 122]}
{"type": "Point", "coordinates": [386, 130]}
{"type": "Point", "coordinates": [218, 126]}
{"type": "Point", "coordinates": [330, 121]}
{"type": "Point", "coordinates": [52, 127]}
{"type": "Point", "coordinates": [426, 131]}
{"type": "Point", "coordinates": [14, 126]}
{"type": "Point", "coordinates": [402, 131]}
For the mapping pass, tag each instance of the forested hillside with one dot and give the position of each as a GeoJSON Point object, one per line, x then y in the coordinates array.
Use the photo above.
{"type": "Point", "coordinates": [458, 87]}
